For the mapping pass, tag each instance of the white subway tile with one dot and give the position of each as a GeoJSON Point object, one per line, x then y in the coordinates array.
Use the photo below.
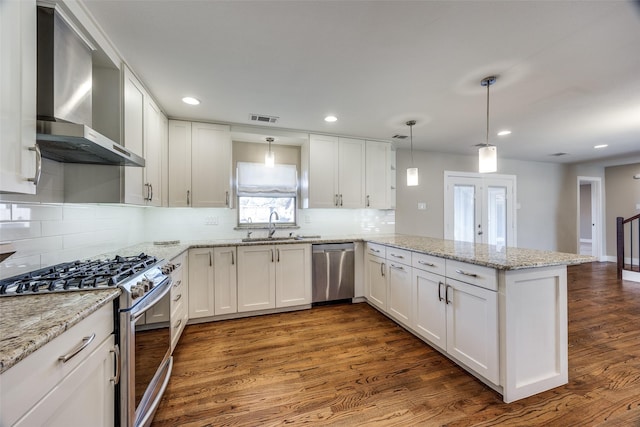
{"type": "Point", "coordinates": [28, 247]}
{"type": "Point", "coordinates": [36, 212]}
{"type": "Point", "coordinates": [10, 231]}
{"type": "Point", "coordinates": [78, 212]}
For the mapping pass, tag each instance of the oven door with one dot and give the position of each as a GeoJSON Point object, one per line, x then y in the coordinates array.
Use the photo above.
{"type": "Point", "coordinates": [147, 365]}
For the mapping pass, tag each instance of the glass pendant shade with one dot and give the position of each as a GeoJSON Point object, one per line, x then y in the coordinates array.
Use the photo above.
{"type": "Point", "coordinates": [412, 177]}
{"type": "Point", "coordinates": [269, 157]}
{"type": "Point", "coordinates": [488, 159]}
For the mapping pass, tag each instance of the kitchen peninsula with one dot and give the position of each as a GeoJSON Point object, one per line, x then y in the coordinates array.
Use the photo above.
{"type": "Point", "coordinates": [442, 291]}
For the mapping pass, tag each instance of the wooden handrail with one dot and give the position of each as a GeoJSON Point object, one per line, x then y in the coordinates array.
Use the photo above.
{"type": "Point", "coordinates": [620, 223]}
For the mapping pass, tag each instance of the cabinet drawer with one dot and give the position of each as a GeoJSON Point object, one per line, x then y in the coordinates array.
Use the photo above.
{"type": "Point", "coordinates": [428, 263]}
{"type": "Point", "coordinates": [30, 379]}
{"type": "Point", "coordinates": [376, 249]}
{"type": "Point", "coordinates": [478, 275]}
{"type": "Point", "coordinates": [401, 256]}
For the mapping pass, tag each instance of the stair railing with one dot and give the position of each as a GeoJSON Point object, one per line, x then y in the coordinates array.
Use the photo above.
{"type": "Point", "coordinates": [621, 224]}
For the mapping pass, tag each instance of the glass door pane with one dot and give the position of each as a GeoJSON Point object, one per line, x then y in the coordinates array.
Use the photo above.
{"type": "Point", "coordinates": [496, 228]}
{"type": "Point", "coordinates": [464, 212]}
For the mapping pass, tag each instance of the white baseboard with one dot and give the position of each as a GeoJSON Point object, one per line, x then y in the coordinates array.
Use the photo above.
{"type": "Point", "coordinates": [632, 276]}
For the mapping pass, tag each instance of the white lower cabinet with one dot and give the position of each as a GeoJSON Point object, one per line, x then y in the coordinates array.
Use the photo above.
{"type": "Point", "coordinates": [401, 292]}
{"type": "Point", "coordinates": [430, 316]}
{"type": "Point", "coordinates": [273, 276]}
{"type": "Point", "coordinates": [472, 328]}
{"type": "Point", "coordinates": [225, 281]}
{"type": "Point", "coordinates": [179, 297]}
{"type": "Point", "coordinates": [212, 282]}
{"type": "Point", "coordinates": [43, 390]}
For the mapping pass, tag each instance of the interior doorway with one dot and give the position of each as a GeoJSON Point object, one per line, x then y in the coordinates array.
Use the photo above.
{"type": "Point", "coordinates": [589, 217]}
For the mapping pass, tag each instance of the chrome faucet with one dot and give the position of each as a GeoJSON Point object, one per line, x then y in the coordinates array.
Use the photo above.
{"type": "Point", "coordinates": [272, 226]}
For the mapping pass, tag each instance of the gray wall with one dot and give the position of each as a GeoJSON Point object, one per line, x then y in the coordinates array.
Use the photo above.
{"type": "Point", "coordinates": [623, 194]}
{"type": "Point", "coordinates": [546, 193]}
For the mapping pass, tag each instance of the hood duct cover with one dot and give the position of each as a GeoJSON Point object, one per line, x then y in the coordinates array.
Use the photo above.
{"type": "Point", "coordinates": [64, 87]}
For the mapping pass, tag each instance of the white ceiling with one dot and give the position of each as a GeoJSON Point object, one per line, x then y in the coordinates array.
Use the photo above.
{"type": "Point", "coordinates": [568, 71]}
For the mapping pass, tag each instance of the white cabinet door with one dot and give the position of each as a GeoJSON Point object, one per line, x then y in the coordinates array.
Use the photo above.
{"type": "Point", "coordinates": [293, 275]}
{"type": "Point", "coordinates": [83, 398]}
{"type": "Point", "coordinates": [256, 278]}
{"type": "Point", "coordinates": [351, 184]}
{"type": "Point", "coordinates": [153, 147]}
{"type": "Point", "coordinates": [179, 163]}
{"type": "Point", "coordinates": [400, 294]}
{"type": "Point", "coordinates": [211, 165]}
{"type": "Point", "coordinates": [472, 328]}
{"type": "Point", "coordinates": [133, 123]}
{"type": "Point", "coordinates": [430, 317]}
{"type": "Point", "coordinates": [323, 171]}
{"type": "Point", "coordinates": [201, 283]}
{"type": "Point", "coordinates": [225, 282]}
{"type": "Point", "coordinates": [376, 281]}
{"type": "Point", "coordinates": [17, 96]}
{"type": "Point", "coordinates": [377, 172]}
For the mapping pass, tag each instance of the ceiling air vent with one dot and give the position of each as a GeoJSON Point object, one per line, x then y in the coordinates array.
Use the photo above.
{"type": "Point", "coordinates": [558, 154]}
{"type": "Point", "coordinates": [399, 137]}
{"type": "Point", "coordinates": [263, 118]}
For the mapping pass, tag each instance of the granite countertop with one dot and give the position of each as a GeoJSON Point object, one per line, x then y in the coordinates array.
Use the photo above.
{"type": "Point", "coordinates": [501, 258]}
{"type": "Point", "coordinates": [31, 321]}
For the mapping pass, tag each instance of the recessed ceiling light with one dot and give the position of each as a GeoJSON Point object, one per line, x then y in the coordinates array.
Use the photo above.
{"type": "Point", "coordinates": [190, 100]}
{"type": "Point", "coordinates": [504, 133]}
{"type": "Point", "coordinates": [330, 119]}
{"type": "Point", "coordinates": [600, 146]}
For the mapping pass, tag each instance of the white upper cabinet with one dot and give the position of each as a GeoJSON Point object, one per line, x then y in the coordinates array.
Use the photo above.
{"type": "Point", "coordinates": [211, 165]}
{"type": "Point", "coordinates": [336, 169]}
{"type": "Point", "coordinates": [179, 163]}
{"type": "Point", "coordinates": [144, 134]}
{"type": "Point", "coordinates": [378, 174]}
{"type": "Point", "coordinates": [18, 96]}
{"type": "Point", "coordinates": [199, 164]}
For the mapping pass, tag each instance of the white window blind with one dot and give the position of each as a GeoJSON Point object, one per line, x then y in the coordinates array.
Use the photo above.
{"type": "Point", "coordinates": [255, 179]}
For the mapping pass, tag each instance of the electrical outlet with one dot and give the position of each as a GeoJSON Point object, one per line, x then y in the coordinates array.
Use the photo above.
{"type": "Point", "coordinates": [211, 220]}
{"type": "Point", "coordinates": [422, 206]}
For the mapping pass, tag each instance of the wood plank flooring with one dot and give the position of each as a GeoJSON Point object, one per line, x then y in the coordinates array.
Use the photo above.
{"type": "Point", "coordinates": [349, 365]}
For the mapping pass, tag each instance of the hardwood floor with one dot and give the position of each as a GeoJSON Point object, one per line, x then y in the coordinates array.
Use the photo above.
{"type": "Point", "coordinates": [350, 365]}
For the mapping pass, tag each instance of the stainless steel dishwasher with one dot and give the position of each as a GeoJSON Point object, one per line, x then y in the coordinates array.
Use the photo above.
{"type": "Point", "coordinates": [333, 272]}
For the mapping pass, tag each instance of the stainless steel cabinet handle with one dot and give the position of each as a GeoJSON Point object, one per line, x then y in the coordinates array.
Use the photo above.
{"type": "Point", "coordinates": [374, 250]}
{"type": "Point", "coordinates": [341, 200]}
{"type": "Point", "coordinates": [188, 197]}
{"type": "Point", "coordinates": [397, 256]}
{"type": "Point", "coordinates": [440, 291]}
{"type": "Point", "coordinates": [335, 200]}
{"type": "Point", "coordinates": [178, 282]}
{"type": "Point", "coordinates": [446, 294]}
{"type": "Point", "coordinates": [226, 198]}
{"type": "Point", "coordinates": [382, 269]}
{"type": "Point", "coordinates": [233, 259]}
{"type": "Point", "coordinates": [85, 343]}
{"type": "Point", "coordinates": [466, 274]}
{"type": "Point", "coordinates": [210, 260]}
{"type": "Point", "coordinates": [368, 200]}
{"type": "Point", "coordinates": [271, 255]}
{"type": "Point", "coordinates": [177, 325]}
{"type": "Point", "coordinates": [278, 252]}
{"type": "Point", "coordinates": [397, 267]}
{"type": "Point", "coordinates": [151, 190]}
{"type": "Point", "coordinates": [116, 352]}
{"type": "Point", "coordinates": [177, 298]}
{"type": "Point", "coordinates": [428, 264]}
{"type": "Point", "coordinates": [36, 177]}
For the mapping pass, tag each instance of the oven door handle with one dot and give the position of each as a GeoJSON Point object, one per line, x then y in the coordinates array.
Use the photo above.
{"type": "Point", "coordinates": [156, 296]}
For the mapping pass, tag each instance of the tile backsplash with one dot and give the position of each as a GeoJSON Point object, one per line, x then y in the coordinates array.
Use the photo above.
{"type": "Point", "coordinates": [44, 234]}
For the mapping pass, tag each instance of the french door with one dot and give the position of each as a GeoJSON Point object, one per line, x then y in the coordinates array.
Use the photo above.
{"type": "Point", "coordinates": [480, 208]}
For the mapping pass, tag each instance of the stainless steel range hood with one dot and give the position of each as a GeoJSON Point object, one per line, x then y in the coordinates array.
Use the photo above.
{"type": "Point", "coordinates": [63, 129]}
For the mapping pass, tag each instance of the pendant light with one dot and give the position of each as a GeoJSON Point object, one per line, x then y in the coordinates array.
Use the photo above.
{"type": "Point", "coordinates": [412, 172]}
{"type": "Point", "coordinates": [269, 157]}
{"type": "Point", "coordinates": [488, 154]}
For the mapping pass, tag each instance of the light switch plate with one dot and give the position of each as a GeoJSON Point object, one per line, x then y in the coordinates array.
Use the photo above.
{"type": "Point", "coordinates": [211, 220]}
{"type": "Point", "coordinates": [422, 206]}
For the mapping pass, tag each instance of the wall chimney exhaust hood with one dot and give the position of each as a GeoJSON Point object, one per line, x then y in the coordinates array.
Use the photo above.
{"type": "Point", "coordinates": [63, 128]}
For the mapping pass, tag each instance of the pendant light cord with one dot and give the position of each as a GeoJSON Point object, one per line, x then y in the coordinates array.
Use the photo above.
{"type": "Point", "coordinates": [487, 139]}
{"type": "Point", "coordinates": [410, 123]}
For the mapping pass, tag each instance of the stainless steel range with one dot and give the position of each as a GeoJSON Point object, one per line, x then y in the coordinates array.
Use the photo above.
{"type": "Point", "coordinates": [145, 282]}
